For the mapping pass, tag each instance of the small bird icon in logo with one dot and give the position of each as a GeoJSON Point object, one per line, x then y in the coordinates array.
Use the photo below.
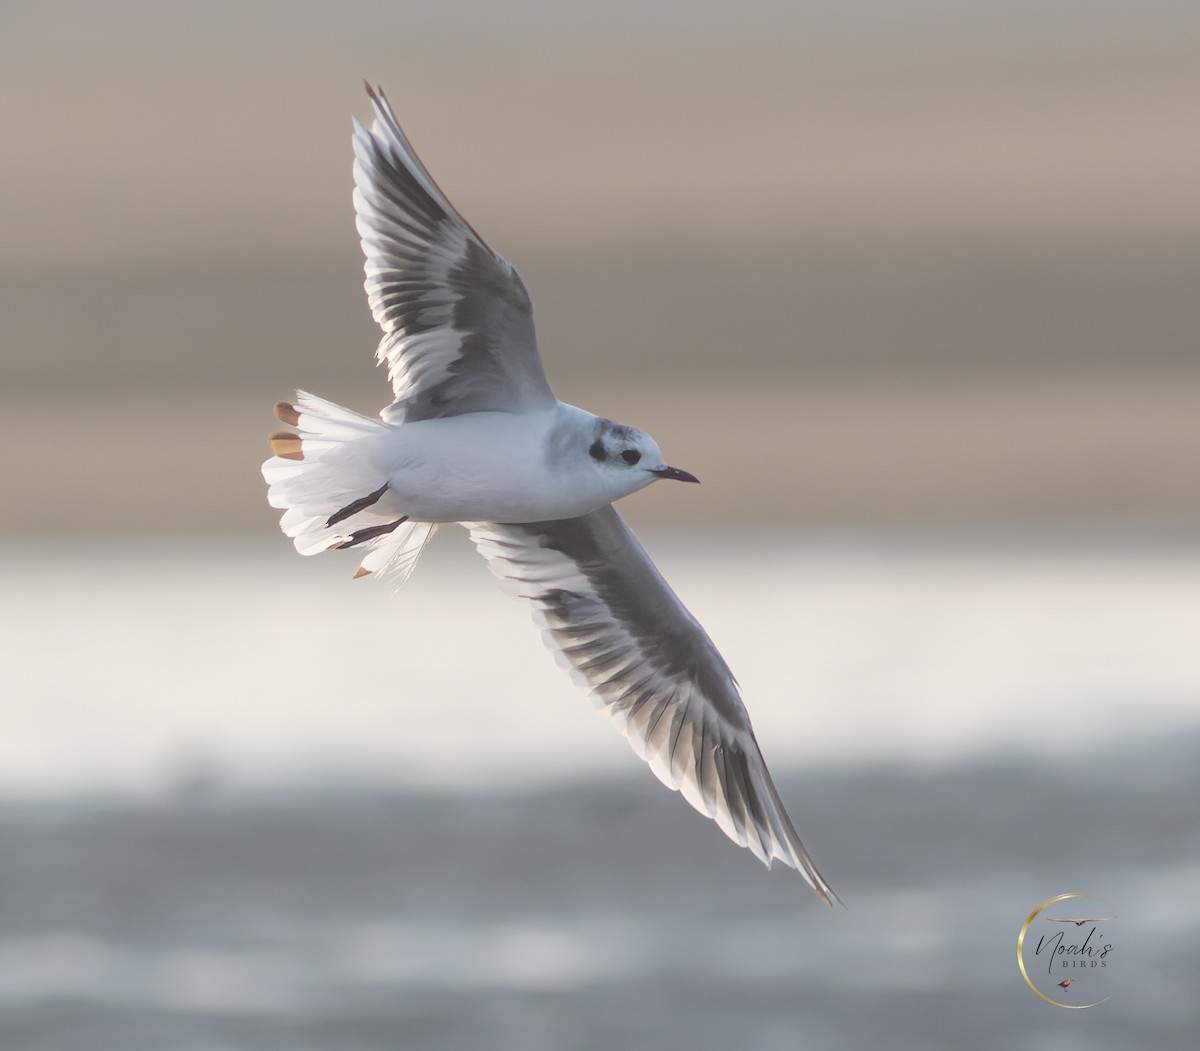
{"type": "Point", "coordinates": [1081, 922]}
{"type": "Point", "coordinates": [1066, 984]}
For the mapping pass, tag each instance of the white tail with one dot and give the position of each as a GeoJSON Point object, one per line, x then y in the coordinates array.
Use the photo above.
{"type": "Point", "coordinates": [324, 476]}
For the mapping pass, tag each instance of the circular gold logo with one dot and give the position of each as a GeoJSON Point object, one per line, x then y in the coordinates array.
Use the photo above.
{"type": "Point", "coordinates": [1065, 950]}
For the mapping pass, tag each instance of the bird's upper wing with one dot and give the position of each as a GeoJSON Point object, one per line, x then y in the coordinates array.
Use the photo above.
{"type": "Point", "coordinates": [457, 322]}
{"type": "Point", "coordinates": [612, 620]}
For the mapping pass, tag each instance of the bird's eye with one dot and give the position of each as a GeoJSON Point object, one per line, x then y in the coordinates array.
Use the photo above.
{"type": "Point", "coordinates": [631, 456]}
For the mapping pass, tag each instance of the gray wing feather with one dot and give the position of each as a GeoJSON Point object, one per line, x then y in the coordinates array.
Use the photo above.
{"type": "Point", "coordinates": [615, 624]}
{"type": "Point", "coordinates": [457, 322]}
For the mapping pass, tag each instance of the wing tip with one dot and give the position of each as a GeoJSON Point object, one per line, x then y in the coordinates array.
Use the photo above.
{"type": "Point", "coordinates": [799, 859]}
{"type": "Point", "coordinates": [383, 109]}
{"type": "Point", "coordinates": [824, 891]}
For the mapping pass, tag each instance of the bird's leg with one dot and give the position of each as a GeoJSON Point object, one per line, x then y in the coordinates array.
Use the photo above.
{"type": "Point", "coordinates": [355, 506]}
{"type": "Point", "coordinates": [361, 536]}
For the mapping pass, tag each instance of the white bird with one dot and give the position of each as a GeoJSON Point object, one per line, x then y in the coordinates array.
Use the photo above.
{"type": "Point", "coordinates": [476, 436]}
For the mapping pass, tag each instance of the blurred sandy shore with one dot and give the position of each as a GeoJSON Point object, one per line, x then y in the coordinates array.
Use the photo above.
{"type": "Point", "coordinates": [887, 132]}
{"type": "Point", "coordinates": [844, 272]}
{"type": "Point", "coordinates": [828, 451]}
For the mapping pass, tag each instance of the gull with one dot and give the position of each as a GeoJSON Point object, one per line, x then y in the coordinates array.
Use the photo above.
{"type": "Point", "coordinates": [475, 436]}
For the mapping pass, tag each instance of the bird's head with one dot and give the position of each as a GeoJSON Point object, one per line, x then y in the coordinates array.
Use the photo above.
{"type": "Point", "coordinates": [630, 459]}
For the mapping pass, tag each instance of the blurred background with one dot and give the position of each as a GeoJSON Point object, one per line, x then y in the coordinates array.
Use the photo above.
{"type": "Point", "coordinates": [911, 287]}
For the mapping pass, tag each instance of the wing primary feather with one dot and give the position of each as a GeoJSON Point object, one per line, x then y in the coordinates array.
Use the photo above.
{"type": "Point", "coordinates": [457, 322]}
{"type": "Point", "coordinates": [615, 624]}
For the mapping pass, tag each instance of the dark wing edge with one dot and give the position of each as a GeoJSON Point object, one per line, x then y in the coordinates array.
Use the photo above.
{"type": "Point", "coordinates": [457, 322]}
{"type": "Point", "coordinates": [617, 627]}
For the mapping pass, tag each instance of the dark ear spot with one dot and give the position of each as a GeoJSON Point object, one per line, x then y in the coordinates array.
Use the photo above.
{"type": "Point", "coordinates": [596, 452]}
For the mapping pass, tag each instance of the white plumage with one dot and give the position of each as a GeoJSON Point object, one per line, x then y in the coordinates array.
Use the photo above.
{"type": "Point", "coordinates": [475, 435]}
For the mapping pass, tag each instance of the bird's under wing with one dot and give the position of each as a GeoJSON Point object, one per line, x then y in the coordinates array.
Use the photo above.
{"type": "Point", "coordinates": [457, 322]}
{"type": "Point", "coordinates": [616, 625]}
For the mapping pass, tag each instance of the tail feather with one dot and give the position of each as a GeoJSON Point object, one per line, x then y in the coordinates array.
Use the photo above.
{"type": "Point", "coordinates": [396, 554]}
{"type": "Point", "coordinates": [325, 478]}
{"type": "Point", "coordinates": [286, 446]}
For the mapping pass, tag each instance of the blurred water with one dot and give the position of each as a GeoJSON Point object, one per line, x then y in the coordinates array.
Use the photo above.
{"type": "Point", "coordinates": [604, 914]}
{"type": "Point", "coordinates": [131, 664]}
{"type": "Point", "coordinates": [252, 804]}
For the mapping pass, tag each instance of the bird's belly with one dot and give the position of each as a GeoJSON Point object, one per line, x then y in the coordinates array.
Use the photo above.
{"type": "Point", "coordinates": [445, 496]}
{"type": "Point", "coordinates": [473, 469]}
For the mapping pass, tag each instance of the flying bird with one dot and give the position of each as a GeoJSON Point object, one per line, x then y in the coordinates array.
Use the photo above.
{"type": "Point", "coordinates": [1081, 922]}
{"type": "Point", "coordinates": [475, 436]}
